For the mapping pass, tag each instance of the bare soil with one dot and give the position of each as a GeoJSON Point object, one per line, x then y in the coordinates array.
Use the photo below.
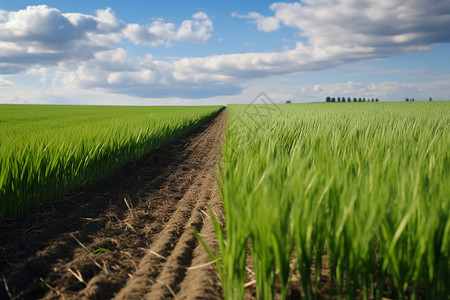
{"type": "Point", "coordinates": [129, 236]}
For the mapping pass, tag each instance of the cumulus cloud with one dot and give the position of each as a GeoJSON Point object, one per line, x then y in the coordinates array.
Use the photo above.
{"type": "Point", "coordinates": [42, 35]}
{"type": "Point", "coordinates": [118, 72]}
{"type": "Point", "coordinates": [263, 23]}
{"type": "Point", "coordinates": [383, 26]}
{"type": "Point", "coordinates": [187, 77]}
{"type": "Point", "coordinates": [197, 30]}
{"type": "Point", "coordinates": [4, 82]}
{"type": "Point", "coordinates": [337, 32]}
{"type": "Point", "coordinates": [86, 48]}
{"type": "Point", "coordinates": [385, 91]}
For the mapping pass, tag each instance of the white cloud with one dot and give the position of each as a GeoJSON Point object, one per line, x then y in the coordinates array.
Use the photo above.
{"type": "Point", "coordinates": [289, 87]}
{"type": "Point", "coordinates": [200, 77]}
{"type": "Point", "coordinates": [263, 23]}
{"type": "Point", "coordinates": [197, 30]}
{"type": "Point", "coordinates": [84, 51]}
{"type": "Point", "coordinates": [386, 26]}
{"type": "Point", "coordinates": [118, 72]}
{"type": "Point", "coordinates": [279, 89]}
{"type": "Point", "coordinates": [385, 91]}
{"type": "Point", "coordinates": [4, 82]}
{"type": "Point", "coordinates": [44, 36]}
{"type": "Point", "coordinates": [40, 35]}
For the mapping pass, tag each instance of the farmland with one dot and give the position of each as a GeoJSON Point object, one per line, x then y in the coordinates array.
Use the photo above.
{"type": "Point", "coordinates": [129, 235]}
{"type": "Point", "coordinates": [365, 186]}
{"type": "Point", "coordinates": [46, 151]}
{"type": "Point", "coordinates": [310, 201]}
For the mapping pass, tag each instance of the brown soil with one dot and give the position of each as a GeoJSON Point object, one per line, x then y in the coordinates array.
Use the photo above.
{"type": "Point", "coordinates": [129, 236]}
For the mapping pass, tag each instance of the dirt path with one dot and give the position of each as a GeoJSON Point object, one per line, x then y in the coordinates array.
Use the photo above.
{"type": "Point", "coordinates": [128, 237]}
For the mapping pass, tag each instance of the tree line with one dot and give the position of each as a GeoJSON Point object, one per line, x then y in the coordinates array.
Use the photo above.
{"type": "Point", "coordinates": [348, 99]}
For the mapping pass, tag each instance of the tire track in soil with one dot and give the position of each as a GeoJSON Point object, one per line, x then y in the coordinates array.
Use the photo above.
{"type": "Point", "coordinates": [151, 250]}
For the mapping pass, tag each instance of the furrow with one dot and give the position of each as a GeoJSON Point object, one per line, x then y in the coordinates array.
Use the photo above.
{"type": "Point", "coordinates": [165, 244]}
{"type": "Point", "coordinates": [201, 280]}
{"type": "Point", "coordinates": [174, 270]}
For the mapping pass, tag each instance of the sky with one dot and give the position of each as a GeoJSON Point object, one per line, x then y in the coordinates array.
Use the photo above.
{"type": "Point", "coordinates": [204, 52]}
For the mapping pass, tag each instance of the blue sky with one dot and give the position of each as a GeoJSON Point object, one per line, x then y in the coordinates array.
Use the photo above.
{"type": "Point", "coordinates": [217, 52]}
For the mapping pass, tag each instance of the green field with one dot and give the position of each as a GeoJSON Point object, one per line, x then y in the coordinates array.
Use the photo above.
{"type": "Point", "coordinates": [47, 151]}
{"type": "Point", "coordinates": [366, 184]}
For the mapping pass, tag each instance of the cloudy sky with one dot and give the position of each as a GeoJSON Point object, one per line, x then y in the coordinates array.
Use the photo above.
{"type": "Point", "coordinates": [219, 52]}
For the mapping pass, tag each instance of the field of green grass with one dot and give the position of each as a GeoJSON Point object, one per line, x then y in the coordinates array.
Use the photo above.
{"type": "Point", "coordinates": [366, 184]}
{"type": "Point", "coordinates": [47, 151]}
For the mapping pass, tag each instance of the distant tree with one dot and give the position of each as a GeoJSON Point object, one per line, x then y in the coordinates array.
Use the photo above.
{"type": "Point", "coordinates": [431, 99]}
{"type": "Point", "coordinates": [412, 99]}
{"type": "Point", "coordinates": [349, 100]}
{"type": "Point", "coordinates": [407, 99]}
{"type": "Point", "coordinates": [333, 99]}
{"type": "Point", "coordinates": [343, 99]}
{"type": "Point", "coordinates": [364, 99]}
{"type": "Point", "coordinates": [354, 99]}
{"type": "Point", "coordinates": [339, 99]}
{"type": "Point", "coordinates": [288, 102]}
{"type": "Point", "coordinates": [373, 100]}
{"type": "Point", "coordinates": [359, 100]}
{"type": "Point", "coordinates": [328, 99]}
{"type": "Point", "coordinates": [376, 100]}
